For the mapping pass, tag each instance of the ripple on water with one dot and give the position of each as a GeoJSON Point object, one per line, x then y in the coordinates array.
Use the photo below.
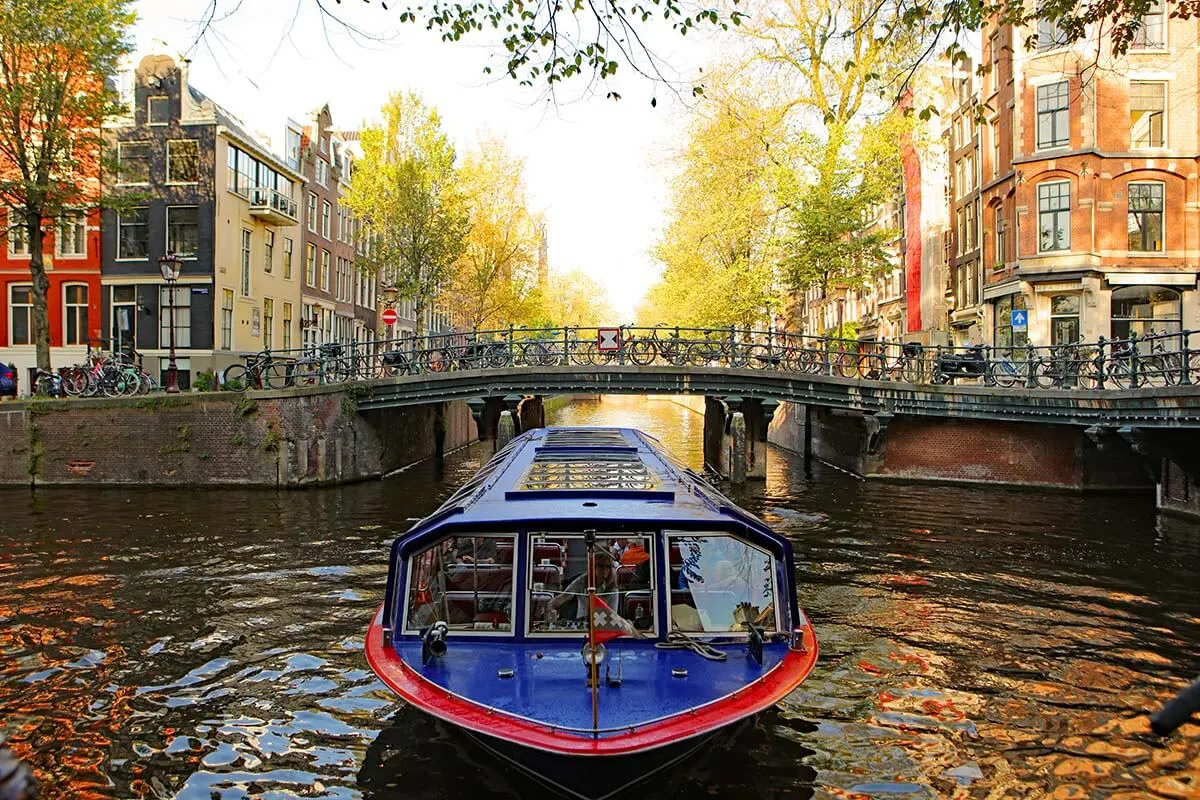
{"type": "Point", "coordinates": [974, 643]}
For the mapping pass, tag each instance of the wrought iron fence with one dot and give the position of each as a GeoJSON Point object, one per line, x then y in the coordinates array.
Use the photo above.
{"type": "Point", "coordinates": [1155, 359]}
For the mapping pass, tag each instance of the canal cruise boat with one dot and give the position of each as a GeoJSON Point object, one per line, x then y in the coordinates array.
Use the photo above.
{"type": "Point", "coordinates": [591, 610]}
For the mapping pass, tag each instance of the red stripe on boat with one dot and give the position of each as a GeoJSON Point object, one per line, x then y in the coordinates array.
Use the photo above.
{"type": "Point", "coordinates": [433, 699]}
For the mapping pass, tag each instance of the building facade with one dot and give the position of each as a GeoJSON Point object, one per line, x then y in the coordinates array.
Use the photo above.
{"type": "Point", "coordinates": [192, 182]}
{"type": "Point", "coordinates": [1089, 190]}
{"type": "Point", "coordinates": [71, 253]}
{"type": "Point", "coordinates": [965, 233]}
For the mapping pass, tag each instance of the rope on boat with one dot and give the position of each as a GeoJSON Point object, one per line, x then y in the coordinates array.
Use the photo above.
{"type": "Point", "coordinates": [677, 640]}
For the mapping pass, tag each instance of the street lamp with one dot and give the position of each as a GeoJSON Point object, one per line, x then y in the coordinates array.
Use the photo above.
{"type": "Point", "coordinates": [171, 265]}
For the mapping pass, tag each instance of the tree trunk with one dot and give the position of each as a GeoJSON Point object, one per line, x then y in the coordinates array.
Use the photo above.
{"type": "Point", "coordinates": [41, 289]}
{"type": "Point", "coordinates": [419, 313]}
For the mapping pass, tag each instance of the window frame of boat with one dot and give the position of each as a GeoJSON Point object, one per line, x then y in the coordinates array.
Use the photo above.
{"type": "Point", "coordinates": [775, 560]}
{"type": "Point", "coordinates": [410, 584]}
{"type": "Point", "coordinates": [652, 536]}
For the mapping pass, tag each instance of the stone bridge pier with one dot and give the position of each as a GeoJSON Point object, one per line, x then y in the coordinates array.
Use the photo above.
{"type": "Point", "coordinates": [499, 418]}
{"type": "Point", "coordinates": [735, 436]}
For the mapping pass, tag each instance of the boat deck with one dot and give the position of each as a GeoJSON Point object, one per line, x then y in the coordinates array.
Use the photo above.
{"type": "Point", "coordinates": [549, 686]}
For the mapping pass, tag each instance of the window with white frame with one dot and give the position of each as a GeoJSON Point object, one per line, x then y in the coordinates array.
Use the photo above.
{"type": "Point", "coordinates": [1050, 35]}
{"type": "Point", "coordinates": [1054, 216]}
{"type": "Point", "coordinates": [268, 251]}
{"type": "Point", "coordinates": [324, 270]}
{"type": "Point", "coordinates": [1145, 217]}
{"type": "Point", "coordinates": [75, 314]}
{"type": "Point", "coordinates": [159, 111]}
{"type": "Point", "coordinates": [133, 163]}
{"type": "Point", "coordinates": [322, 172]}
{"type": "Point", "coordinates": [1053, 115]}
{"type": "Point", "coordinates": [71, 234]}
{"type": "Point", "coordinates": [182, 237]}
{"type": "Point", "coordinates": [183, 161]}
{"type": "Point", "coordinates": [287, 326]}
{"type": "Point", "coordinates": [268, 323]}
{"type": "Point", "coordinates": [226, 319]}
{"type": "Point", "coordinates": [20, 315]}
{"type": "Point", "coordinates": [1147, 114]}
{"type": "Point", "coordinates": [288, 247]}
{"type": "Point", "coordinates": [133, 233]}
{"type": "Point", "coordinates": [245, 263]}
{"type": "Point", "coordinates": [179, 298]}
{"type": "Point", "coordinates": [325, 219]}
{"type": "Point", "coordinates": [18, 233]}
{"type": "Point", "coordinates": [310, 265]}
{"type": "Point", "coordinates": [312, 212]}
{"type": "Point", "coordinates": [1151, 33]}
{"type": "Point", "coordinates": [1001, 236]}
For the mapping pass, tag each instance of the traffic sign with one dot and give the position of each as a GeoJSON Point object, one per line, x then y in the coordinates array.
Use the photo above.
{"type": "Point", "coordinates": [1020, 319]}
{"type": "Point", "coordinates": [390, 316]}
{"type": "Point", "coordinates": [608, 340]}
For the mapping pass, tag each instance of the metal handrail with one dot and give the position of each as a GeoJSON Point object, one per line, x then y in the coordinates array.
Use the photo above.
{"type": "Point", "coordinates": [1138, 361]}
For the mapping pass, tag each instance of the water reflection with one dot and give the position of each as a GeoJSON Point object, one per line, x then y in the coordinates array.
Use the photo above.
{"type": "Point", "coordinates": [975, 643]}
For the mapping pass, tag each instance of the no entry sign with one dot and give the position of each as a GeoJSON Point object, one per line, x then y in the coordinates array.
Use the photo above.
{"type": "Point", "coordinates": [390, 316]}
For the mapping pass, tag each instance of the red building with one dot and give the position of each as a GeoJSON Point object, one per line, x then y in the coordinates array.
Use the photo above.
{"type": "Point", "coordinates": [72, 255]}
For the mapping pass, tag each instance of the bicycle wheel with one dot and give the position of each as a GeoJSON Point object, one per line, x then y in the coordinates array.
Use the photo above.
{"type": "Point", "coordinates": [147, 384]}
{"type": "Point", "coordinates": [1089, 374]}
{"type": "Point", "coordinates": [758, 356]}
{"type": "Point", "coordinates": [235, 378]}
{"type": "Point", "coordinates": [703, 354]}
{"type": "Point", "coordinates": [75, 381]}
{"type": "Point", "coordinates": [870, 366]}
{"type": "Point", "coordinates": [1120, 373]}
{"type": "Point", "coordinates": [642, 352]}
{"type": "Point", "coordinates": [911, 369]}
{"type": "Point", "coordinates": [1005, 373]}
{"type": "Point", "coordinates": [278, 375]}
{"type": "Point", "coordinates": [844, 363]}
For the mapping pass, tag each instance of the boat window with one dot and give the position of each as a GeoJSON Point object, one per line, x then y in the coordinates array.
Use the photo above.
{"type": "Point", "coordinates": [464, 581]}
{"type": "Point", "coordinates": [557, 582]}
{"type": "Point", "coordinates": [719, 583]}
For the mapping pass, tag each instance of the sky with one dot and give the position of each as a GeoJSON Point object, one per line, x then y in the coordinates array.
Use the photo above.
{"type": "Point", "coordinates": [598, 169]}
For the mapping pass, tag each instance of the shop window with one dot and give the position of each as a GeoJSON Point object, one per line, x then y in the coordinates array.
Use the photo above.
{"type": "Point", "coordinates": [1004, 336]}
{"type": "Point", "coordinates": [1064, 319]}
{"type": "Point", "coordinates": [1145, 310]}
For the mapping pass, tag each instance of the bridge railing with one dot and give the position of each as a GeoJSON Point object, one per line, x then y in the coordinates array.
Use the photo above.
{"type": "Point", "coordinates": [1157, 358]}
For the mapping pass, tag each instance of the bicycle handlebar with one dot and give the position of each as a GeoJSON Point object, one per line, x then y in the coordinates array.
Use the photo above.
{"type": "Point", "coordinates": [1177, 710]}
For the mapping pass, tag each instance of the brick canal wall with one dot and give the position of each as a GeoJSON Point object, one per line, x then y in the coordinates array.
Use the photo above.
{"type": "Point", "coordinates": [284, 439]}
{"type": "Point", "coordinates": [959, 451]}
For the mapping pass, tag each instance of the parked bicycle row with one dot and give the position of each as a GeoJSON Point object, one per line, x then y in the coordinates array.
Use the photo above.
{"type": "Point", "coordinates": [104, 373]}
{"type": "Point", "coordinates": [1157, 359]}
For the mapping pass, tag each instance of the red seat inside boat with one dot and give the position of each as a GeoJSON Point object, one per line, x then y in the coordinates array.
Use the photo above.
{"type": "Point", "coordinates": [548, 574]}
{"type": "Point", "coordinates": [464, 608]}
{"type": "Point", "coordinates": [550, 551]}
{"type": "Point", "coordinates": [484, 577]}
{"type": "Point", "coordinates": [504, 553]}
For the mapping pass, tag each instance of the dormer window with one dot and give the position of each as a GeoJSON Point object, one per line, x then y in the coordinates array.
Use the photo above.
{"type": "Point", "coordinates": [158, 110]}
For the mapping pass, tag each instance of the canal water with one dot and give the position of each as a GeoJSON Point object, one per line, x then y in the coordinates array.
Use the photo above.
{"type": "Point", "coordinates": [974, 642]}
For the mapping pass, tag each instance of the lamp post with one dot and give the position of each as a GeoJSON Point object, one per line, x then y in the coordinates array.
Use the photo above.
{"type": "Point", "coordinates": [171, 266]}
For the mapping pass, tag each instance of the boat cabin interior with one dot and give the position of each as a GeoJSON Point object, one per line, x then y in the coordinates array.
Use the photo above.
{"type": "Point", "coordinates": [534, 584]}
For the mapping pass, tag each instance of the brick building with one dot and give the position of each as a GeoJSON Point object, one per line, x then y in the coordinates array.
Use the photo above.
{"type": "Point", "coordinates": [200, 186]}
{"type": "Point", "coordinates": [71, 249]}
{"type": "Point", "coordinates": [965, 234]}
{"type": "Point", "coordinates": [1089, 190]}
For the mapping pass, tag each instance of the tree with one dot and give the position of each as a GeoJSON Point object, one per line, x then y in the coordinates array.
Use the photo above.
{"type": "Point", "coordinates": [570, 298]}
{"type": "Point", "coordinates": [54, 58]}
{"type": "Point", "coordinates": [721, 249]}
{"type": "Point", "coordinates": [405, 191]}
{"type": "Point", "coordinates": [498, 266]}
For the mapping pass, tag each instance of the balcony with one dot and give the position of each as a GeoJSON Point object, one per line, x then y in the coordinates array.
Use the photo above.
{"type": "Point", "coordinates": [272, 207]}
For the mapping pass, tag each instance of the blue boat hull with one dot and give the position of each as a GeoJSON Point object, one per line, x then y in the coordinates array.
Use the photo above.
{"type": "Point", "coordinates": [593, 777]}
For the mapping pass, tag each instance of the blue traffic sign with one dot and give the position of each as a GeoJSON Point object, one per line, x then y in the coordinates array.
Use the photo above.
{"type": "Point", "coordinates": [1020, 320]}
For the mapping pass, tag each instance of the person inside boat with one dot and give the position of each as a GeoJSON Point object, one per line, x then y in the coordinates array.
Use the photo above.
{"type": "Point", "coordinates": [476, 549]}
{"type": "Point", "coordinates": [571, 603]}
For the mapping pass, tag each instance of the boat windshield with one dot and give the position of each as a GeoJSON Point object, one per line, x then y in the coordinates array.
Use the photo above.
{"type": "Point", "coordinates": [557, 582]}
{"type": "Point", "coordinates": [719, 583]}
{"type": "Point", "coordinates": [464, 581]}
